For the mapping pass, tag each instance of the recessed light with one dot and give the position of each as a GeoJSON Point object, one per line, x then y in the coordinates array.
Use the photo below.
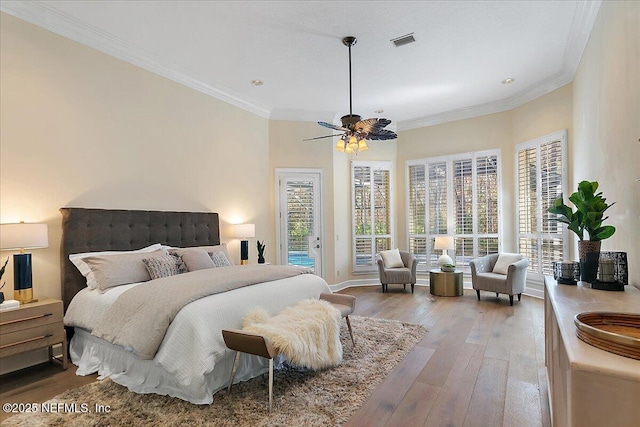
{"type": "Point", "coordinates": [379, 111]}
{"type": "Point", "coordinates": [508, 81]}
{"type": "Point", "coordinates": [257, 82]}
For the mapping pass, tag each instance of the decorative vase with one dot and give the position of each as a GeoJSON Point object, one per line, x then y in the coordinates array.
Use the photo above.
{"type": "Point", "coordinates": [260, 259]}
{"type": "Point", "coordinates": [589, 264]}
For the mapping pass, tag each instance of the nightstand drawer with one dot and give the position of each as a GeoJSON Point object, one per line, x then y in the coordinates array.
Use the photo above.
{"type": "Point", "coordinates": [32, 338]}
{"type": "Point", "coordinates": [30, 316]}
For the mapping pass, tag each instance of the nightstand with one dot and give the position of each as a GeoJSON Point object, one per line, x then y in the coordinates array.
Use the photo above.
{"type": "Point", "coordinates": [34, 325]}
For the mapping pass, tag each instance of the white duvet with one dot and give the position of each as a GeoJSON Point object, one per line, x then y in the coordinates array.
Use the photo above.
{"type": "Point", "coordinates": [192, 362]}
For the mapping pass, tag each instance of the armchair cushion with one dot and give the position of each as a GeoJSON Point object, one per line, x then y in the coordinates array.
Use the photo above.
{"type": "Point", "coordinates": [392, 258]}
{"type": "Point", "coordinates": [504, 260]}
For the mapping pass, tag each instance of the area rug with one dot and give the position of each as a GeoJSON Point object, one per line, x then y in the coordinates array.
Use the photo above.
{"type": "Point", "coordinates": [300, 397]}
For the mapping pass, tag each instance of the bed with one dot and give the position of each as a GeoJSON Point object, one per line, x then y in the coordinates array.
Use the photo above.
{"type": "Point", "coordinates": [192, 362]}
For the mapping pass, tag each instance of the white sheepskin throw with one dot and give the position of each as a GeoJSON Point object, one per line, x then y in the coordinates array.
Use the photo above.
{"type": "Point", "coordinates": [307, 334]}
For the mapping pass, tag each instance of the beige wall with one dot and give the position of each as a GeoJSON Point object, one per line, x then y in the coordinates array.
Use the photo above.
{"type": "Point", "coordinates": [80, 128]}
{"type": "Point", "coordinates": [287, 150]}
{"type": "Point", "coordinates": [606, 116]}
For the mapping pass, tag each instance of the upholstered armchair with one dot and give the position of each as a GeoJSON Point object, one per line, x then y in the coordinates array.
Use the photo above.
{"type": "Point", "coordinates": [397, 267]}
{"type": "Point", "coordinates": [502, 273]}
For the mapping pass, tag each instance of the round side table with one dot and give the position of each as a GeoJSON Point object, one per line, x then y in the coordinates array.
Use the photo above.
{"type": "Point", "coordinates": [445, 284]}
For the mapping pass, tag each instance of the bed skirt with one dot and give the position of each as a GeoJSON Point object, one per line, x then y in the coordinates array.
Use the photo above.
{"type": "Point", "coordinates": [92, 354]}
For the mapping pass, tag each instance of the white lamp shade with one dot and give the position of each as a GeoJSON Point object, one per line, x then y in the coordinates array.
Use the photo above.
{"type": "Point", "coordinates": [23, 236]}
{"type": "Point", "coordinates": [444, 242]}
{"type": "Point", "coordinates": [242, 231]}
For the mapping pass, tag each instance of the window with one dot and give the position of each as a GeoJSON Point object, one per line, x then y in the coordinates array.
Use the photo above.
{"type": "Point", "coordinates": [456, 196]}
{"type": "Point", "coordinates": [541, 176]}
{"type": "Point", "coordinates": [372, 212]}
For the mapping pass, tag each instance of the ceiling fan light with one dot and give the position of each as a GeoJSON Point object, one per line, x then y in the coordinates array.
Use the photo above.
{"type": "Point", "coordinates": [362, 145]}
{"type": "Point", "coordinates": [348, 149]}
{"type": "Point", "coordinates": [353, 142]}
{"type": "Point", "coordinates": [340, 145]}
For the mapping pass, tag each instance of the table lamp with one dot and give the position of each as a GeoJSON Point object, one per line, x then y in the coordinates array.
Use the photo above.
{"type": "Point", "coordinates": [244, 231]}
{"type": "Point", "coordinates": [23, 236]}
{"type": "Point", "coordinates": [443, 243]}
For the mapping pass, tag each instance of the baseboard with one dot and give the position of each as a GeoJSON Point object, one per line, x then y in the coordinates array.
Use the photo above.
{"type": "Point", "coordinates": [531, 290]}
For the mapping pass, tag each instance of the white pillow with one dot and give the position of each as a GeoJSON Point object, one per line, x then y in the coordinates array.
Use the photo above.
{"type": "Point", "coordinates": [83, 267]}
{"type": "Point", "coordinates": [392, 259]}
{"type": "Point", "coordinates": [504, 260]}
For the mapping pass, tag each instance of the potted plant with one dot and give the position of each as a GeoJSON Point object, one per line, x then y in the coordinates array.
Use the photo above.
{"type": "Point", "coordinates": [2, 274]}
{"type": "Point", "coordinates": [588, 217]}
{"type": "Point", "coordinates": [260, 246]}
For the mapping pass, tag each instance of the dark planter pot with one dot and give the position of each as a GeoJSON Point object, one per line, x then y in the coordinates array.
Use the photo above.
{"type": "Point", "coordinates": [589, 252]}
{"type": "Point", "coordinates": [260, 260]}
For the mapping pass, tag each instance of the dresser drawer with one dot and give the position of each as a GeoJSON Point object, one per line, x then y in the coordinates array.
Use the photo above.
{"type": "Point", "coordinates": [32, 338]}
{"type": "Point", "coordinates": [30, 317]}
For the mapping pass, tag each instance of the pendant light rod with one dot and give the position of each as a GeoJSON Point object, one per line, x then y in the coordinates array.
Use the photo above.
{"type": "Point", "coordinates": [350, 41]}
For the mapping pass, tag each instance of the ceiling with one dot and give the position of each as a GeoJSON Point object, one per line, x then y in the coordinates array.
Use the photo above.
{"type": "Point", "coordinates": [463, 51]}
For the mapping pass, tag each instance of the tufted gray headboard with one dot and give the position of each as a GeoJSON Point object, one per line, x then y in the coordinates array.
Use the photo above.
{"type": "Point", "coordinates": [92, 230]}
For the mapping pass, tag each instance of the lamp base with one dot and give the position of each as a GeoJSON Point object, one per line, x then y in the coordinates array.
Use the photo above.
{"type": "Point", "coordinates": [244, 261]}
{"type": "Point", "coordinates": [25, 296]}
{"type": "Point", "coordinates": [444, 259]}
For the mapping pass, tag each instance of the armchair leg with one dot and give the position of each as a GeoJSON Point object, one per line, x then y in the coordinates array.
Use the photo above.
{"type": "Point", "coordinates": [519, 296]}
{"type": "Point", "coordinates": [510, 299]}
{"type": "Point", "coordinates": [382, 287]}
{"type": "Point", "coordinates": [404, 286]}
{"type": "Point", "coordinates": [412, 288]}
{"type": "Point", "coordinates": [478, 292]}
{"type": "Point", "coordinates": [497, 295]}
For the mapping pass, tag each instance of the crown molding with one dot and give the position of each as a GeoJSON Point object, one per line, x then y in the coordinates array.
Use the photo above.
{"type": "Point", "coordinates": [581, 27]}
{"type": "Point", "coordinates": [67, 26]}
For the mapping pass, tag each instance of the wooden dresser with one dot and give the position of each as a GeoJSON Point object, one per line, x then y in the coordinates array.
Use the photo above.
{"type": "Point", "coordinates": [34, 325]}
{"type": "Point", "coordinates": [588, 386]}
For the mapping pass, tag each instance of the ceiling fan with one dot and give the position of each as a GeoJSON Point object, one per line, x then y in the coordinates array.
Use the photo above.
{"type": "Point", "coordinates": [356, 131]}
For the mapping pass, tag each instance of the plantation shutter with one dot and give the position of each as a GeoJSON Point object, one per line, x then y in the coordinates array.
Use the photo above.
{"type": "Point", "coordinates": [463, 209]}
{"type": "Point", "coordinates": [541, 178]}
{"type": "Point", "coordinates": [300, 222]}
{"type": "Point", "coordinates": [372, 212]}
{"type": "Point", "coordinates": [487, 204]}
{"type": "Point", "coordinates": [416, 214]}
{"type": "Point", "coordinates": [462, 200]}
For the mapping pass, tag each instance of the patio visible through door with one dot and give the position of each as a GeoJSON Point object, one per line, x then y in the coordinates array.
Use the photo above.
{"type": "Point", "coordinates": [299, 218]}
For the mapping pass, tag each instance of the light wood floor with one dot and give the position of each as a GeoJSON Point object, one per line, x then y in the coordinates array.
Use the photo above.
{"type": "Point", "coordinates": [480, 364]}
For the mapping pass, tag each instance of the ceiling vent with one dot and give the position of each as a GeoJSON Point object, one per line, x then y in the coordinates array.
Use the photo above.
{"type": "Point", "coordinates": [402, 40]}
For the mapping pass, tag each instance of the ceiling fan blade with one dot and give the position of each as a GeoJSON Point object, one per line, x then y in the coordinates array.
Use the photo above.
{"type": "Point", "coordinates": [332, 126]}
{"type": "Point", "coordinates": [370, 125]}
{"type": "Point", "coordinates": [381, 135]}
{"type": "Point", "coordinates": [320, 137]}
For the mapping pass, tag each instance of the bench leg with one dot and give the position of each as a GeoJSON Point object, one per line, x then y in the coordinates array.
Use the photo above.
{"type": "Point", "coordinates": [350, 331]}
{"type": "Point", "coordinates": [270, 383]}
{"type": "Point", "coordinates": [233, 370]}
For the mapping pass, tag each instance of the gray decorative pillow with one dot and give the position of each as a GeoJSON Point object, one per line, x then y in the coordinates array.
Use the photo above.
{"type": "Point", "coordinates": [219, 259]}
{"type": "Point", "coordinates": [197, 259]}
{"type": "Point", "coordinates": [163, 266]}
